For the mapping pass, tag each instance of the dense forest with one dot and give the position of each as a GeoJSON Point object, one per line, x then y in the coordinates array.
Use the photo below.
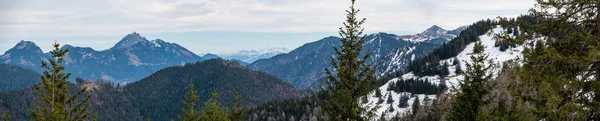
{"type": "Point", "coordinates": [16, 78]}
{"type": "Point", "coordinates": [159, 96]}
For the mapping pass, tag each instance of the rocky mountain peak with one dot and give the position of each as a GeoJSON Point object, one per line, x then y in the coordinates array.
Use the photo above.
{"type": "Point", "coordinates": [129, 40]}
{"type": "Point", "coordinates": [434, 31]}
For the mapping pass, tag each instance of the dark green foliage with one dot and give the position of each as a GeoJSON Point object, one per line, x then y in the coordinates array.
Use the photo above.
{"type": "Point", "coordinates": [353, 77]}
{"type": "Point", "coordinates": [416, 86]}
{"type": "Point", "coordinates": [403, 100]}
{"type": "Point", "coordinates": [237, 111]}
{"type": "Point", "coordinates": [389, 98]}
{"type": "Point", "coordinates": [558, 74]}
{"type": "Point", "coordinates": [429, 65]}
{"type": "Point", "coordinates": [377, 93]}
{"type": "Point", "coordinates": [54, 102]}
{"type": "Point", "coordinates": [190, 113]}
{"type": "Point", "coordinates": [6, 116]}
{"type": "Point", "coordinates": [415, 106]}
{"type": "Point", "coordinates": [16, 78]}
{"type": "Point", "coordinates": [160, 95]}
{"type": "Point", "coordinates": [468, 100]}
{"type": "Point", "coordinates": [455, 61]}
{"type": "Point", "coordinates": [305, 108]}
{"type": "Point", "coordinates": [212, 111]}
{"type": "Point", "coordinates": [458, 69]}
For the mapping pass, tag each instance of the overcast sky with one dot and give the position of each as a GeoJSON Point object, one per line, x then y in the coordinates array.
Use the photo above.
{"type": "Point", "coordinates": [229, 25]}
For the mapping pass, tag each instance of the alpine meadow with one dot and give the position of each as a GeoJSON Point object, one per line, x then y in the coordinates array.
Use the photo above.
{"type": "Point", "coordinates": [281, 60]}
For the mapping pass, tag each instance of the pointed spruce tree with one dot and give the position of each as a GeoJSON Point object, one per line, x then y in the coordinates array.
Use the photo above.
{"type": "Point", "coordinates": [54, 102]}
{"type": "Point", "coordinates": [189, 112]}
{"type": "Point", "coordinates": [6, 116]}
{"type": "Point", "coordinates": [237, 112]}
{"type": "Point", "coordinates": [465, 105]}
{"type": "Point", "coordinates": [213, 111]}
{"type": "Point", "coordinates": [352, 78]}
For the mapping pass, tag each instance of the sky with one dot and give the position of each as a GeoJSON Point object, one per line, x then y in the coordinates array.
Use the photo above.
{"type": "Point", "coordinates": [217, 26]}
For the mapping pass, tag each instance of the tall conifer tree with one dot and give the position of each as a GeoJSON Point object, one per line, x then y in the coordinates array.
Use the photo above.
{"type": "Point", "coordinates": [465, 105]}
{"type": "Point", "coordinates": [54, 102]}
{"type": "Point", "coordinates": [237, 112]}
{"type": "Point", "coordinates": [189, 112]}
{"type": "Point", "coordinates": [213, 111]}
{"type": "Point", "coordinates": [352, 78]}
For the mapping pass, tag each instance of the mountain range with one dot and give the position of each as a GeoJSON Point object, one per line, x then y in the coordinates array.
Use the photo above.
{"type": "Point", "coordinates": [303, 67]}
{"type": "Point", "coordinates": [135, 57]}
{"type": "Point", "coordinates": [131, 59]}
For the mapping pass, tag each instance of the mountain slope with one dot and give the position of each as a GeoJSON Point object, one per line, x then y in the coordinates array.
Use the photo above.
{"type": "Point", "coordinates": [131, 59]}
{"type": "Point", "coordinates": [434, 34]}
{"type": "Point", "coordinates": [16, 78]}
{"type": "Point", "coordinates": [453, 78]}
{"type": "Point", "coordinates": [169, 85]}
{"type": "Point", "coordinates": [303, 67]}
{"type": "Point", "coordinates": [159, 96]}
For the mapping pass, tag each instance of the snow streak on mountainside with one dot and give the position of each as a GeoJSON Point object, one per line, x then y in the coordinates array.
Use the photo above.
{"type": "Point", "coordinates": [250, 56]}
{"type": "Point", "coordinates": [452, 79]}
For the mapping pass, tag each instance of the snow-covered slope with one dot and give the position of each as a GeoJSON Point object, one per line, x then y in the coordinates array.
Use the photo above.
{"type": "Point", "coordinates": [452, 79]}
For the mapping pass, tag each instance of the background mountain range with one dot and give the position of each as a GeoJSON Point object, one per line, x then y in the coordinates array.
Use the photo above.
{"type": "Point", "coordinates": [135, 57]}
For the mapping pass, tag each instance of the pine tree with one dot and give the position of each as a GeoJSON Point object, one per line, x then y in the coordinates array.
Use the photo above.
{"type": "Point", "coordinates": [458, 69]}
{"type": "Point", "coordinates": [54, 102]}
{"type": "Point", "coordinates": [403, 101]}
{"type": "Point", "coordinates": [6, 116]}
{"type": "Point", "coordinates": [237, 112]}
{"type": "Point", "coordinates": [465, 105]}
{"type": "Point", "coordinates": [558, 74]}
{"type": "Point", "coordinates": [389, 98]}
{"type": "Point", "coordinates": [213, 111]}
{"type": "Point", "coordinates": [415, 106]}
{"type": "Point", "coordinates": [189, 112]}
{"type": "Point", "coordinates": [353, 77]}
{"type": "Point", "coordinates": [377, 93]}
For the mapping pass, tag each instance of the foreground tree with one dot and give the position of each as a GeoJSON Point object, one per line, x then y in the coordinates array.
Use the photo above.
{"type": "Point", "coordinates": [6, 116]}
{"type": "Point", "coordinates": [189, 112]}
{"type": "Point", "coordinates": [467, 102]}
{"type": "Point", "coordinates": [561, 71]}
{"type": "Point", "coordinates": [213, 111]}
{"type": "Point", "coordinates": [54, 102]}
{"type": "Point", "coordinates": [352, 78]}
{"type": "Point", "coordinates": [237, 112]}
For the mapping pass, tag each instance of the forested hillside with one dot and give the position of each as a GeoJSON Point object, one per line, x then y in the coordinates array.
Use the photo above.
{"type": "Point", "coordinates": [160, 95]}
{"type": "Point", "coordinates": [13, 77]}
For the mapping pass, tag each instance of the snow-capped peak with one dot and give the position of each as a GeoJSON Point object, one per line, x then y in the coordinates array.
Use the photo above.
{"type": "Point", "coordinates": [431, 33]}
{"type": "Point", "coordinates": [434, 31]}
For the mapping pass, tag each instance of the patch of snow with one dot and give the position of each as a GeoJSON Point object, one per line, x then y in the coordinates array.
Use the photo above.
{"type": "Point", "coordinates": [452, 79]}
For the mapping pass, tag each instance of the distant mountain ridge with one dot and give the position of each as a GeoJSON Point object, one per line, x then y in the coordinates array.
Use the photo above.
{"type": "Point", "coordinates": [131, 59]}
{"type": "Point", "coordinates": [303, 67]}
{"type": "Point", "coordinates": [250, 56]}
